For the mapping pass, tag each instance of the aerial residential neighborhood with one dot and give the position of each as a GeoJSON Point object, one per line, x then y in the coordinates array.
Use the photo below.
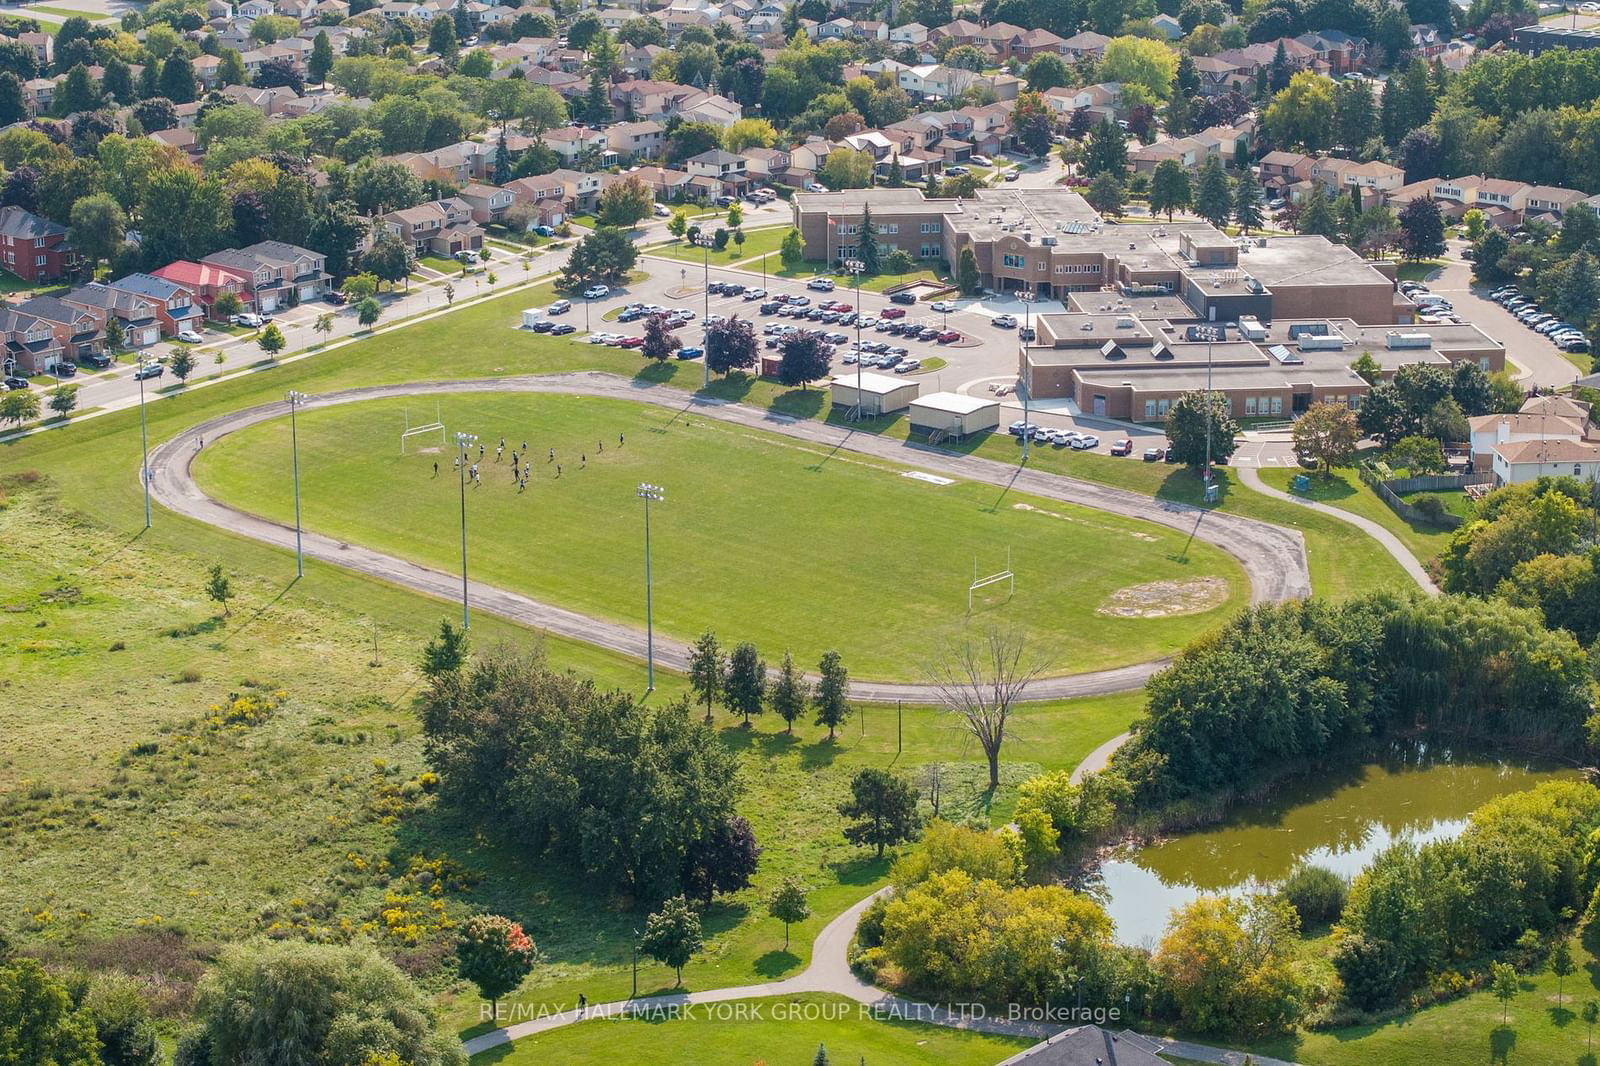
{"type": "Point", "coordinates": [809, 531]}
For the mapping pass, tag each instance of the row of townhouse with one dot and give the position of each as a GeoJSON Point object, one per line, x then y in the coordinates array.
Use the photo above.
{"type": "Point", "coordinates": [41, 332]}
{"type": "Point", "coordinates": [1504, 203]}
{"type": "Point", "coordinates": [1232, 144]}
{"type": "Point", "coordinates": [1295, 176]}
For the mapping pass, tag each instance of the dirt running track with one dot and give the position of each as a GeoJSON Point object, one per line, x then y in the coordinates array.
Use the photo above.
{"type": "Point", "coordinates": [1273, 558]}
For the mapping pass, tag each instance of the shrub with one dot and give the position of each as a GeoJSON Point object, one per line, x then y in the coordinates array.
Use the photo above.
{"type": "Point", "coordinates": [869, 929]}
{"type": "Point", "coordinates": [1316, 893]}
{"type": "Point", "coordinates": [1431, 507]}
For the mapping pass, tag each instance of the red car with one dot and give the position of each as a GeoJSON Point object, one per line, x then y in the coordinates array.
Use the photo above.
{"type": "Point", "coordinates": [949, 336]}
{"type": "Point", "coordinates": [840, 307]}
{"type": "Point", "coordinates": [893, 312]}
{"type": "Point", "coordinates": [631, 342]}
{"type": "Point", "coordinates": [1122, 447]}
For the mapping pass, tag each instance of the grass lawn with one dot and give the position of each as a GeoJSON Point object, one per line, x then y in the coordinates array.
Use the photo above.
{"type": "Point", "coordinates": [440, 263]}
{"type": "Point", "coordinates": [876, 283]}
{"type": "Point", "coordinates": [68, 12]}
{"type": "Point", "coordinates": [1346, 491]}
{"type": "Point", "coordinates": [757, 242]}
{"type": "Point", "coordinates": [778, 1030]}
{"type": "Point", "coordinates": [1454, 501]}
{"type": "Point", "coordinates": [731, 495]}
{"type": "Point", "coordinates": [1418, 271]}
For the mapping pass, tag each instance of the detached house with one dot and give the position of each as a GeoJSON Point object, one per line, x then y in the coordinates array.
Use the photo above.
{"type": "Point", "coordinates": [487, 203]}
{"type": "Point", "coordinates": [29, 344]}
{"type": "Point", "coordinates": [135, 314]}
{"type": "Point", "coordinates": [34, 248]}
{"type": "Point", "coordinates": [208, 281]}
{"type": "Point", "coordinates": [76, 331]}
{"type": "Point", "coordinates": [443, 227]}
{"type": "Point", "coordinates": [723, 167]}
{"type": "Point", "coordinates": [176, 307]}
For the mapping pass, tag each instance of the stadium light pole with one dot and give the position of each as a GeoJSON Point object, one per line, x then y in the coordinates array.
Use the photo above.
{"type": "Point", "coordinates": [648, 492]}
{"type": "Point", "coordinates": [705, 330]}
{"type": "Point", "coordinates": [296, 399]}
{"type": "Point", "coordinates": [463, 442]}
{"type": "Point", "coordinates": [144, 442]}
{"type": "Point", "coordinates": [1026, 296]}
{"type": "Point", "coordinates": [857, 267]}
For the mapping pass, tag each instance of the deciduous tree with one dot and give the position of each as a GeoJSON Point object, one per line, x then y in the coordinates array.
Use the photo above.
{"type": "Point", "coordinates": [494, 954]}
{"type": "Point", "coordinates": [672, 935]}
{"type": "Point", "coordinates": [660, 343]}
{"type": "Point", "coordinates": [1188, 427]}
{"type": "Point", "coordinates": [979, 678]}
{"type": "Point", "coordinates": [789, 693]}
{"type": "Point", "coordinates": [1326, 435]}
{"type": "Point", "coordinates": [708, 670]}
{"type": "Point", "coordinates": [788, 905]}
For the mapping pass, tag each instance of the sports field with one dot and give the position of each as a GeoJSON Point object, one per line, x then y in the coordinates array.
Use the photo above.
{"type": "Point", "coordinates": [761, 537]}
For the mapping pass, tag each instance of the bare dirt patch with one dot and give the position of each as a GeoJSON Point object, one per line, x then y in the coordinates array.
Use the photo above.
{"type": "Point", "coordinates": [1162, 599]}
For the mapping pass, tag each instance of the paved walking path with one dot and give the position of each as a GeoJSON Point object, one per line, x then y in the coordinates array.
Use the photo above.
{"type": "Point", "coordinates": [1251, 477]}
{"type": "Point", "coordinates": [1272, 557]}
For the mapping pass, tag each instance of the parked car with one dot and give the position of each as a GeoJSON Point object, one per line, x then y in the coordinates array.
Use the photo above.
{"type": "Point", "coordinates": [1154, 455]}
{"type": "Point", "coordinates": [868, 321]}
{"type": "Point", "coordinates": [691, 353]}
{"type": "Point", "coordinates": [949, 336]}
{"type": "Point", "coordinates": [248, 319]}
{"type": "Point", "coordinates": [812, 186]}
{"type": "Point", "coordinates": [903, 298]}
{"type": "Point", "coordinates": [943, 306]}
{"type": "Point", "coordinates": [1026, 334]}
{"type": "Point", "coordinates": [661, 211]}
{"type": "Point", "coordinates": [1005, 321]}
{"type": "Point", "coordinates": [544, 325]}
{"type": "Point", "coordinates": [1012, 175]}
{"type": "Point", "coordinates": [596, 292]}
{"type": "Point", "coordinates": [1122, 447]}
{"type": "Point", "coordinates": [908, 366]}
{"type": "Point", "coordinates": [545, 231]}
{"type": "Point", "coordinates": [820, 285]}
{"type": "Point", "coordinates": [189, 336]}
{"type": "Point", "coordinates": [98, 360]}
{"type": "Point", "coordinates": [771, 307]}
{"type": "Point", "coordinates": [337, 297]}
{"type": "Point", "coordinates": [149, 370]}
{"type": "Point", "coordinates": [928, 333]}
{"type": "Point", "coordinates": [560, 307]}
{"type": "Point", "coordinates": [1086, 441]}
{"type": "Point", "coordinates": [755, 294]}
{"type": "Point", "coordinates": [13, 383]}
{"type": "Point", "coordinates": [893, 312]}
{"type": "Point", "coordinates": [562, 329]}
{"type": "Point", "coordinates": [955, 171]}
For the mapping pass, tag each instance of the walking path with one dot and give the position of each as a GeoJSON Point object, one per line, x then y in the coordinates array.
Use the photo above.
{"type": "Point", "coordinates": [1251, 477]}
{"type": "Point", "coordinates": [1273, 558]}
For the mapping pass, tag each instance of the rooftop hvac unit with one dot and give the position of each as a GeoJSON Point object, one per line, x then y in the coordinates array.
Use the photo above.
{"type": "Point", "coordinates": [1398, 339]}
{"type": "Point", "coordinates": [1124, 323]}
{"type": "Point", "coordinates": [1048, 241]}
{"type": "Point", "coordinates": [1330, 343]}
{"type": "Point", "coordinates": [1027, 236]}
{"type": "Point", "coordinates": [1261, 242]}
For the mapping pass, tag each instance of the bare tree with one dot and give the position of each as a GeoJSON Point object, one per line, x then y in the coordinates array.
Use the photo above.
{"type": "Point", "coordinates": [933, 781]}
{"type": "Point", "coordinates": [979, 678]}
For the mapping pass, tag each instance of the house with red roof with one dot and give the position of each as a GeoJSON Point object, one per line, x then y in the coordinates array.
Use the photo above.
{"type": "Point", "coordinates": [208, 281]}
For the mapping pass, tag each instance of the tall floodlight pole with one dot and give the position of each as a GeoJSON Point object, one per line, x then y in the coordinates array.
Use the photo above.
{"type": "Point", "coordinates": [705, 329]}
{"type": "Point", "coordinates": [1207, 490]}
{"type": "Point", "coordinates": [857, 267]}
{"type": "Point", "coordinates": [464, 441]}
{"type": "Point", "coordinates": [648, 492]}
{"type": "Point", "coordinates": [295, 400]}
{"type": "Point", "coordinates": [144, 443]}
{"type": "Point", "coordinates": [1026, 296]}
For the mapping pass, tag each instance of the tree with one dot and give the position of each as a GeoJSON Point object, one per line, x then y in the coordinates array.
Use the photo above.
{"type": "Point", "coordinates": [672, 935]}
{"type": "Point", "coordinates": [442, 40]}
{"type": "Point", "coordinates": [831, 697]}
{"type": "Point", "coordinates": [271, 340]}
{"type": "Point", "coordinates": [1488, 254]}
{"type": "Point", "coordinates": [749, 133]}
{"type": "Point", "coordinates": [804, 357]}
{"type": "Point", "coordinates": [1032, 121]}
{"type": "Point", "coordinates": [867, 243]}
{"type": "Point", "coordinates": [1326, 434]}
{"type": "Point", "coordinates": [1229, 965]}
{"type": "Point", "coordinates": [116, 1005]}
{"type": "Point", "coordinates": [846, 168]}
{"type": "Point", "coordinates": [1367, 368]}
{"type": "Point", "coordinates": [232, 71]}
{"type": "Point", "coordinates": [42, 1024]}
{"type": "Point", "coordinates": [336, 230]}
{"type": "Point", "coordinates": [788, 905]}
{"type": "Point", "coordinates": [1591, 1014]}
{"type": "Point", "coordinates": [358, 287]}
{"type": "Point", "coordinates": [321, 60]}
{"type": "Point", "coordinates": [1419, 455]}
{"type": "Point", "coordinates": [1187, 425]}
{"type": "Point", "coordinates": [280, 74]}
{"type": "Point", "coordinates": [660, 343]}
{"type": "Point", "coordinates": [1505, 985]}
{"type": "Point", "coordinates": [19, 406]}
{"type": "Point", "coordinates": [1213, 199]}
{"type": "Point", "coordinates": [1303, 112]}
{"type": "Point", "coordinates": [678, 224]}
{"type": "Point", "coordinates": [606, 254]}
{"type": "Point", "coordinates": [967, 276]}
{"type": "Point", "coordinates": [1047, 71]}
{"type": "Point", "coordinates": [1139, 61]}
{"type": "Point", "coordinates": [114, 335]}
{"type": "Point", "coordinates": [789, 693]}
{"type": "Point", "coordinates": [723, 860]}
{"type": "Point", "coordinates": [884, 806]}
{"type": "Point", "coordinates": [731, 345]}
{"type": "Point", "coordinates": [978, 680]}
{"type": "Point", "coordinates": [323, 323]}
{"type": "Point", "coordinates": [1247, 205]}
{"type": "Point", "coordinates": [1107, 152]}
{"type": "Point", "coordinates": [1316, 216]}
{"type": "Point", "coordinates": [78, 92]}
{"type": "Point", "coordinates": [388, 259]}
{"type": "Point", "coordinates": [495, 955]}
{"type": "Point", "coordinates": [219, 588]}
{"type": "Point", "coordinates": [1579, 296]}
{"type": "Point", "coordinates": [792, 250]}
{"type": "Point", "coordinates": [177, 79]}
{"type": "Point", "coordinates": [446, 653]}
{"type": "Point", "coordinates": [1169, 188]}
{"type": "Point", "coordinates": [626, 203]}
{"type": "Point", "coordinates": [708, 670]}
{"type": "Point", "coordinates": [821, 1057]}
{"type": "Point", "coordinates": [1561, 965]}
{"type": "Point", "coordinates": [294, 1002]}
{"type": "Point", "coordinates": [21, 189]}
{"type": "Point", "coordinates": [64, 399]}
{"type": "Point", "coordinates": [97, 228]}
{"type": "Point", "coordinates": [182, 364]}
{"type": "Point", "coordinates": [1421, 230]}
{"type": "Point", "coordinates": [368, 311]}
{"type": "Point", "coordinates": [1106, 195]}
{"type": "Point", "coordinates": [746, 682]}
{"type": "Point", "coordinates": [12, 107]}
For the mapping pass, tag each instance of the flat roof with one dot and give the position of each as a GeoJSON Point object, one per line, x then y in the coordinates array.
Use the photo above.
{"type": "Point", "coordinates": [1307, 260]}
{"type": "Point", "coordinates": [954, 403]}
{"type": "Point", "coordinates": [1186, 378]}
{"type": "Point", "coordinates": [877, 384]}
{"type": "Point", "coordinates": [1094, 328]}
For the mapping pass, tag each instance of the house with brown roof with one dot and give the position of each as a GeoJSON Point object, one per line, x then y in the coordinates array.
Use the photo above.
{"type": "Point", "coordinates": [135, 314]}
{"type": "Point", "coordinates": [440, 227]}
{"type": "Point", "coordinates": [77, 332]}
{"type": "Point", "coordinates": [487, 203]}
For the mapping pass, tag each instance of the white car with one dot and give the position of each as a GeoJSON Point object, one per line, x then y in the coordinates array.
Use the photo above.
{"type": "Point", "coordinates": [755, 294]}
{"type": "Point", "coordinates": [661, 211]}
{"type": "Point", "coordinates": [814, 187]}
{"type": "Point", "coordinates": [820, 285]}
{"type": "Point", "coordinates": [248, 319]}
{"type": "Point", "coordinates": [943, 306]}
{"type": "Point", "coordinates": [189, 336]}
{"type": "Point", "coordinates": [1005, 321]}
{"type": "Point", "coordinates": [983, 161]}
{"type": "Point", "coordinates": [1086, 441]}
{"type": "Point", "coordinates": [596, 292]}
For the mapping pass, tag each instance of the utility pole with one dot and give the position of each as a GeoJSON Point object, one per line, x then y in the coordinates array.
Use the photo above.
{"type": "Point", "coordinates": [648, 492]}
{"type": "Point", "coordinates": [464, 441]}
{"type": "Point", "coordinates": [295, 400]}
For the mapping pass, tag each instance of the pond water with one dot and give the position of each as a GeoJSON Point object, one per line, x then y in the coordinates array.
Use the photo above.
{"type": "Point", "coordinates": [1340, 820]}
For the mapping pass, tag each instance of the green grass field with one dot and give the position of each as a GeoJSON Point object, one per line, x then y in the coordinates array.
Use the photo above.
{"type": "Point", "coordinates": [756, 242]}
{"type": "Point", "coordinates": [1345, 490]}
{"type": "Point", "coordinates": [876, 563]}
{"type": "Point", "coordinates": [786, 1030]}
{"type": "Point", "coordinates": [1454, 502]}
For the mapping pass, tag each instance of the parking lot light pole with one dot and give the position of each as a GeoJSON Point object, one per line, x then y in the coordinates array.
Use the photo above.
{"type": "Point", "coordinates": [648, 492]}
{"type": "Point", "coordinates": [705, 330]}
{"type": "Point", "coordinates": [464, 441]}
{"type": "Point", "coordinates": [1026, 296]}
{"type": "Point", "coordinates": [144, 442]}
{"type": "Point", "coordinates": [857, 267]}
{"type": "Point", "coordinates": [295, 400]}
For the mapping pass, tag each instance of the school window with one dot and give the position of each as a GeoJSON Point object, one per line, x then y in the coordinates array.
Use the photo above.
{"type": "Point", "coordinates": [1355, 403]}
{"type": "Point", "coordinates": [38, 242]}
{"type": "Point", "coordinates": [1015, 261]}
{"type": "Point", "coordinates": [886, 227]}
{"type": "Point", "coordinates": [928, 251]}
{"type": "Point", "coordinates": [1161, 407]}
{"type": "Point", "coordinates": [1249, 405]}
{"type": "Point", "coordinates": [932, 227]}
{"type": "Point", "coordinates": [1149, 408]}
{"type": "Point", "coordinates": [849, 229]}
{"type": "Point", "coordinates": [1277, 405]}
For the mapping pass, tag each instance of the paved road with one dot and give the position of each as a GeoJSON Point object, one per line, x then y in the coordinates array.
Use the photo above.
{"type": "Point", "coordinates": [1273, 558]}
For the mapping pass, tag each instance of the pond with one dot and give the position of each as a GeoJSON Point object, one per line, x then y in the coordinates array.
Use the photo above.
{"type": "Point", "coordinates": [1415, 791]}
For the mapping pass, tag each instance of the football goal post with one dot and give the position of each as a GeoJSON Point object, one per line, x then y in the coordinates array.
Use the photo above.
{"type": "Point", "coordinates": [992, 579]}
{"type": "Point", "coordinates": [436, 426]}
